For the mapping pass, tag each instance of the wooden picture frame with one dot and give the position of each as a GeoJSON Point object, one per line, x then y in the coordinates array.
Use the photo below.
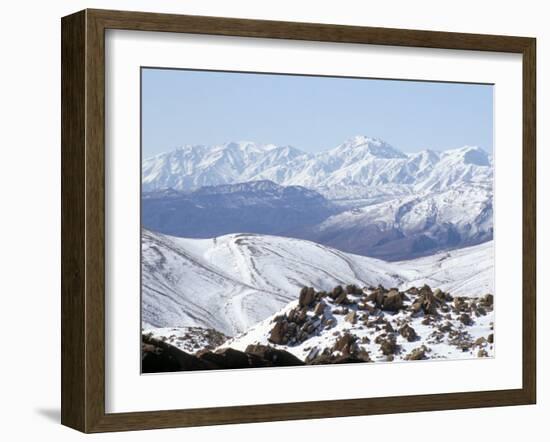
{"type": "Point", "coordinates": [83, 220]}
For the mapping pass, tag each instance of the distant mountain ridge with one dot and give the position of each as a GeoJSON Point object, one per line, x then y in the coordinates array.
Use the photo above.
{"type": "Point", "coordinates": [251, 207]}
{"type": "Point", "coordinates": [357, 166]}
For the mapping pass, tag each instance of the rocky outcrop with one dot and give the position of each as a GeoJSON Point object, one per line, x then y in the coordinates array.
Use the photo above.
{"type": "Point", "coordinates": [388, 319]}
{"type": "Point", "coordinates": [348, 324]}
{"type": "Point", "coordinates": [159, 357]}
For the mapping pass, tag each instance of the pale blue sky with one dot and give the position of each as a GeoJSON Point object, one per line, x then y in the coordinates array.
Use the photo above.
{"type": "Point", "coordinates": [310, 113]}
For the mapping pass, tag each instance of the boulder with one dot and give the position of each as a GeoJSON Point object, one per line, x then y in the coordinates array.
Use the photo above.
{"type": "Point", "coordinates": [465, 319]}
{"type": "Point", "coordinates": [301, 315]}
{"type": "Point", "coordinates": [352, 289]}
{"type": "Point", "coordinates": [417, 354]}
{"type": "Point", "coordinates": [447, 327]}
{"type": "Point", "coordinates": [365, 340]}
{"type": "Point", "coordinates": [416, 307]}
{"type": "Point", "coordinates": [480, 342]}
{"type": "Point", "coordinates": [460, 304]}
{"type": "Point", "coordinates": [277, 357]}
{"type": "Point", "coordinates": [345, 344]}
{"type": "Point", "coordinates": [480, 311]}
{"type": "Point", "coordinates": [342, 298]}
{"type": "Point", "coordinates": [392, 301]}
{"type": "Point", "coordinates": [388, 346]}
{"type": "Point", "coordinates": [351, 317]}
{"type": "Point", "coordinates": [439, 295]}
{"type": "Point", "coordinates": [408, 333]}
{"type": "Point", "coordinates": [388, 327]}
{"type": "Point", "coordinates": [430, 304]}
{"type": "Point", "coordinates": [307, 295]}
{"type": "Point", "coordinates": [337, 291]}
{"type": "Point", "coordinates": [319, 308]}
{"type": "Point", "coordinates": [425, 302]}
{"type": "Point", "coordinates": [363, 355]}
{"type": "Point", "coordinates": [488, 300]}
{"type": "Point", "coordinates": [372, 296]}
{"type": "Point", "coordinates": [277, 333]}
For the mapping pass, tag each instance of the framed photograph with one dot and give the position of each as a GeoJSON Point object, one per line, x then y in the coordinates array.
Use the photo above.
{"type": "Point", "coordinates": [271, 220]}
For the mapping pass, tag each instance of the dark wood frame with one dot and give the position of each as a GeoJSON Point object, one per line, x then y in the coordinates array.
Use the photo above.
{"type": "Point", "coordinates": [83, 217]}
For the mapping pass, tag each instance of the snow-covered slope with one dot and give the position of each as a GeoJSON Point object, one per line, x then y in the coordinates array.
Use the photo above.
{"type": "Point", "coordinates": [463, 272]}
{"type": "Point", "coordinates": [231, 282]}
{"type": "Point", "coordinates": [352, 169]}
{"type": "Point", "coordinates": [414, 225]}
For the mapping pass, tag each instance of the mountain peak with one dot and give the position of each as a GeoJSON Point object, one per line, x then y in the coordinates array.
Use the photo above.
{"type": "Point", "coordinates": [471, 155]}
{"type": "Point", "coordinates": [374, 146]}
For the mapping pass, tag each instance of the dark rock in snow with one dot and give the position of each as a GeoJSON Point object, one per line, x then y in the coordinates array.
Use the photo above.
{"type": "Point", "coordinates": [392, 301]}
{"type": "Point", "coordinates": [307, 295]}
{"type": "Point", "coordinates": [277, 357]}
{"type": "Point", "coordinates": [341, 299]}
{"type": "Point", "coordinates": [277, 332]}
{"type": "Point", "coordinates": [488, 300]}
{"type": "Point", "coordinates": [408, 333]}
{"type": "Point", "coordinates": [465, 319]}
{"type": "Point", "coordinates": [388, 346]}
{"type": "Point", "coordinates": [319, 308]}
{"type": "Point", "coordinates": [417, 354]}
{"type": "Point", "coordinates": [352, 289]}
{"type": "Point", "coordinates": [345, 344]}
{"type": "Point", "coordinates": [351, 317]}
{"type": "Point", "coordinates": [337, 291]}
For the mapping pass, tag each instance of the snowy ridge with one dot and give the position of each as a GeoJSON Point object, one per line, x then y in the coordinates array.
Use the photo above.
{"type": "Point", "coordinates": [231, 282]}
{"type": "Point", "coordinates": [255, 207]}
{"type": "Point", "coordinates": [413, 225]}
{"type": "Point", "coordinates": [360, 162]}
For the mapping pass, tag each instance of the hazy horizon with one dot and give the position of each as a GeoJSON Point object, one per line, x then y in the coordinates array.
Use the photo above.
{"type": "Point", "coordinates": [310, 113]}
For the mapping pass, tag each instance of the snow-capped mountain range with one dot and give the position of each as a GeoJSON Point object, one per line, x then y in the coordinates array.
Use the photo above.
{"type": "Point", "coordinates": [364, 196]}
{"type": "Point", "coordinates": [351, 170]}
{"type": "Point", "coordinates": [232, 282]}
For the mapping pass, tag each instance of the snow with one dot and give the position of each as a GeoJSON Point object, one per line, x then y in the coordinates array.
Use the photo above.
{"type": "Point", "coordinates": [231, 282]}
{"type": "Point", "coordinates": [464, 272]}
{"type": "Point", "coordinates": [468, 209]}
{"type": "Point", "coordinates": [188, 339]}
{"type": "Point", "coordinates": [359, 163]}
